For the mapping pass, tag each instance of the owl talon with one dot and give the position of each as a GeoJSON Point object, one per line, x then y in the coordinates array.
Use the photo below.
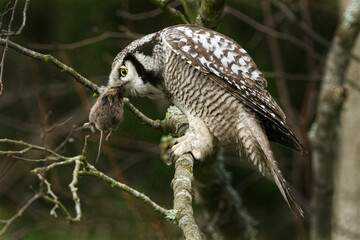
{"type": "Point", "coordinates": [172, 157]}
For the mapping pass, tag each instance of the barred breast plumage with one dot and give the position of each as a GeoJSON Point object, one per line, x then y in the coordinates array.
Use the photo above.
{"type": "Point", "coordinates": [198, 96]}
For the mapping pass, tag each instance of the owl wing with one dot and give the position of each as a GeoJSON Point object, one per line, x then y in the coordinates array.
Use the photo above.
{"type": "Point", "coordinates": [230, 66]}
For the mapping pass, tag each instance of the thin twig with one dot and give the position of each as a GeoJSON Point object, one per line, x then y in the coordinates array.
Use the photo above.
{"type": "Point", "coordinates": [136, 112]}
{"type": "Point", "coordinates": [74, 189]}
{"type": "Point", "coordinates": [293, 77]}
{"type": "Point", "coordinates": [172, 12]}
{"type": "Point", "coordinates": [50, 59]}
{"type": "Point", "coordinates": [79, 78]}
{"type": "Point", "coordinates": [278, 65]}
{"type": "Point", "coordinates": [6, 46]}
{"type": "Point", "coordinates": [51, 193]}
{"type": "Point", "coordinates": [28, 148]}
{"type": "Point", "coordinates": [291, 16]}
{"type": "Point", "coordinates": [18, 214]}
{"type": "Point", "coordinates": [24, 18]}
{"type": "Point", "coordinates": [144, 15]}
{"type": "Point", "coordinates": [57, 125]}
{"type": "Point", "coordinates": [82, 43]}
{"type": "Point", "coordinates": [67, 138]}
{"type": "Point", "coordinates": [92, 171]}
{"type": "Point", "coordinates": [258, 26]}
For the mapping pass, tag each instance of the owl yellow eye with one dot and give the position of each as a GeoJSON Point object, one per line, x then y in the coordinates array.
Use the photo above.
{"type": "Point", "coordinates": [123, 71]}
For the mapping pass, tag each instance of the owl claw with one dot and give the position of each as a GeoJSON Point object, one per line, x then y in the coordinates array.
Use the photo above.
{"type": "Point", "coordinates": [173, 158]}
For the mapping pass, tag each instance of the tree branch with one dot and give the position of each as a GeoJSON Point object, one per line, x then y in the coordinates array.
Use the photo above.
{"type": "Point", "coordinates": [172, 12]}
{"type": "Point", "coordinates": [81, 167]}
{"type": "Point", "coordinates": [210, 13]}
{"type": "Point", "coordinates": [280, 35]}
{"type": "Point", "coordinates": [50, 59]}
{"type": "Point", "coordinates": [18, 214]}
{"type": "Point", "coordinates": [191, 8]}
{"type": "Point", "coordinates": [183, 195]}
{"type": "Point", "coordinates": [79, 78]}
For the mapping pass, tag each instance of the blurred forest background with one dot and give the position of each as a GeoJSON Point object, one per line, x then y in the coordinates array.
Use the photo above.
{"type": "Point", "coordinates": [42, 106]}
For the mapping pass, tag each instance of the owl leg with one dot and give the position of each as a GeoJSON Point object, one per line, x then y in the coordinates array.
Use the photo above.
{"type": "Point", "coordinates": [197, 140]}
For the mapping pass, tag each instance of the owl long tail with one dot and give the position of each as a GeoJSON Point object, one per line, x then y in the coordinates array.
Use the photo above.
{"type": "Point", "coordinates": [252, 138]}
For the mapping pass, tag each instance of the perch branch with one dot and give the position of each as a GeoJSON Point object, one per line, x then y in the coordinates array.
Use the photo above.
{"type": "Point", "coordinates": [183, 195]}
{"type": "Point", "coordinates": [324, 129]}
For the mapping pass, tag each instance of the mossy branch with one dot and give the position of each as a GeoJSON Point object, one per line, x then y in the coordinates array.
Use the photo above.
{"type": "Point", "coordinates": [210, 13]}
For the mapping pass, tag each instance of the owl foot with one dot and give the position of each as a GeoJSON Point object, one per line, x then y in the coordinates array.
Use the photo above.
{"type": "Point", "coordinates": [192, 142]}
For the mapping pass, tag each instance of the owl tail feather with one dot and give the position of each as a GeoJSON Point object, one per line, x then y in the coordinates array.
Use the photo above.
{"type": "Point", "coordinates": [253, 140]}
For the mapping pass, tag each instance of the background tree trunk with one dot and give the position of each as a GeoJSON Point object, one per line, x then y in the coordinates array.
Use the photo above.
{"type": "Point", "coordinates": [326, 128]}
{"type": "Point", "coordinates": [346, 202]}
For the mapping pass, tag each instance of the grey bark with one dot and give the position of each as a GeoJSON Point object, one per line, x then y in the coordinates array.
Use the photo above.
{"type": "Point", "coordinates": [346, 201]}
{"type": "Point", "coordinates": [325, 128]}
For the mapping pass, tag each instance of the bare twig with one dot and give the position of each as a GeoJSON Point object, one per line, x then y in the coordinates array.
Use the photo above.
{"type": "Point", "coordinates": [92, 171]}
{"type": "Point", "coordinates": [57, 125]}
{"type": "Point", "coordinates": [136, 112]}
{"type": "Point", "coordinates": [18, 214]}
{"type": "Point", "coordinates": [51, 194]}
{"type": "Point", "coordinates": [68, 137]}
{"type": "Point", "coordinates": [27, 148]}
{"type": "Point", "coordinates": [79, 78]}
{"type": "Point", "coordinates": [74, 189]}
{"type": "Point", "coordinates": [50, 59]}
{"type": "Point", "coordinates": [172, 12]}
{"type": "Point", "coordinates": [291, 16]}
{"type": "Point", "coordinates": [258, 26]}
{"type": "Point", "coordinates": [278, 65]}
{"type": "Point", "coordinates": [82, 167]}
{"type": "Point", "coordinates": [293, 77]}
{"type": "Point", "coordinates": [82, 43]}
{"type": "Point", "coordinates": [144, 15]}
{"type": "Point", "coordinates": [24, 18]}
